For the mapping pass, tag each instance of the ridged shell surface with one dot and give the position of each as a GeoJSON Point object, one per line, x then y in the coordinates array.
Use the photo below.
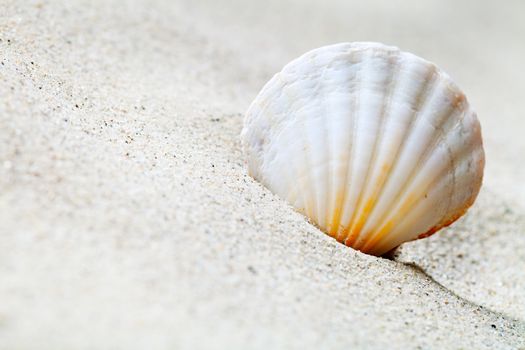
{"type": "Point", "coordinates": [374, 145]}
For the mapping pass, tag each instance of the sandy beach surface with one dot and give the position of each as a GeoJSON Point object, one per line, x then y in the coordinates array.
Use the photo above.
{"type": "Point", "coordinates": [127, 219]}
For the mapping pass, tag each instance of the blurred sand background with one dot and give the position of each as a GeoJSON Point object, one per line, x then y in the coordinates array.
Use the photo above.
{"type": "Point", "coordinates": [127, 220]}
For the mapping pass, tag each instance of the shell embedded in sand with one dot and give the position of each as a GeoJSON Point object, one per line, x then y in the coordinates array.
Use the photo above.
{"type": "Point", "coordinates": [375, 145]}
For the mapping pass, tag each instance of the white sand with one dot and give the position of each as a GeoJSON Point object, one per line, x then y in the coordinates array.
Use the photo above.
{"type": "Point", "coordinates": [127, 220]}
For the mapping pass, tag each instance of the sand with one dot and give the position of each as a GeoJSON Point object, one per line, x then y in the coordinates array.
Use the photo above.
{"type": "Point", "coordinates": [127, 219]}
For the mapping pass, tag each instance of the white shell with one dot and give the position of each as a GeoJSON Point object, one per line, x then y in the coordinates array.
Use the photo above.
{"type": "Point", "coordinates": [375, 145]}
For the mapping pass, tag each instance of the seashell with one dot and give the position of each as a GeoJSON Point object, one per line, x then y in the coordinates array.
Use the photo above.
{"type": "Point", "coordinates": [374, 145]}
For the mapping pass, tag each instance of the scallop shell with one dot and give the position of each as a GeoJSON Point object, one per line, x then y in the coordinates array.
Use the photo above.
{"type": "Point", "coordinates": [374, 145]}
